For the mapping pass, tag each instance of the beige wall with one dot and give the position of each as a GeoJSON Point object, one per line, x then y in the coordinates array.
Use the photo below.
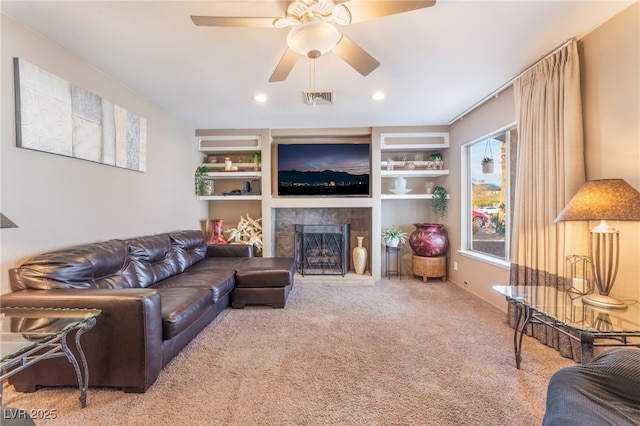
{"type": "Point", "coordinates": [472, 274]}
{"type": "Point", "coordinates": [59, 201]}
{"type": "Point", "coordinates": [611, 97]}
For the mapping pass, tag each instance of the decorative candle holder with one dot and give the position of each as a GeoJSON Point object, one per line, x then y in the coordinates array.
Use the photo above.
{"type": "Point", "coordinates": [578, 274]}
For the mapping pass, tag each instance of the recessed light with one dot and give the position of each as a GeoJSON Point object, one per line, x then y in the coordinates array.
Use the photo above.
{"type": "Point", "coordinates": [378, 96]}
{"type": "Point", "coordinates": [260, 98]}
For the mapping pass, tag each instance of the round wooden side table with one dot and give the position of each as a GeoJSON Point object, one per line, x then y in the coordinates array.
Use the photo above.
{"type": "Point", "coordinates": [427, 267]}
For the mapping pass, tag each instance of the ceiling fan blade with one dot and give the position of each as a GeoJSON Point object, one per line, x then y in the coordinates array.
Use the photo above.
{"type": "Point", "coordinates": [232, 21]}
{"type": "Point", "coordinates": [363, 10]}
{"type": "Point", "coordinates": [355, 56]}
{"type": "Point", "coordinates": [284, 67]}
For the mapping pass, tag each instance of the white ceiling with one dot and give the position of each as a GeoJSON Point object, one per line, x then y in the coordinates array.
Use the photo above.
{"type": "Point", "coordinates": [436, 62]}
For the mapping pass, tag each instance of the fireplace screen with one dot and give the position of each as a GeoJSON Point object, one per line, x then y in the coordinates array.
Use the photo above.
{"type": "Point", "coordinates": [322, 249]}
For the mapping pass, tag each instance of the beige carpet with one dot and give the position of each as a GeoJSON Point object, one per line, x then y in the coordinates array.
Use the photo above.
{"type": "Point", "coordinates": [393, 353]}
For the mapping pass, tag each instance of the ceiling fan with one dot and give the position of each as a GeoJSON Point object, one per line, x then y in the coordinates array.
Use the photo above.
{"type": "Point", "coordinates": [313, 30]}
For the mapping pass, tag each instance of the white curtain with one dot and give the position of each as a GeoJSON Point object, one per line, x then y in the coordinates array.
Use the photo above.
{"type": "Point", "coordinates": [549, 170]}
{"type": "Point", "coordinates": [550, 167]}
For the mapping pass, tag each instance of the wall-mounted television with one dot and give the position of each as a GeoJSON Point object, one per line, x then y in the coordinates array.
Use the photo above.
{"type": "Point", "coordinates": [324, 169]}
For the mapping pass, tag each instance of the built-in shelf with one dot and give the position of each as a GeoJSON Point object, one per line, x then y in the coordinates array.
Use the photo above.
{"type": "Point", "coordinates": [395, 144]}
{"type": "Point", "coordinates": [413, 173]}
{"type": "Point", "coordinates": [228, 149]}
{"type": "Point", "coordinates": [414, 141]}
{"type": "Point", "coordinates": [234, 174]}
{"type": "Point", "coordinates": [407, 196]}
{"type": "Point", "coordinates": [399, 164]}
{"type": "Point", "coordinates": [230, 197]}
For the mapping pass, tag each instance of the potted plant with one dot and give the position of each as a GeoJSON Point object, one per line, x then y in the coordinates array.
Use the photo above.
{"type": "Point", "coordinates": [487, 165]}
{"type": "Point", "coordinates": [436, 160]}
{"type": "Point", "coordinates": [256, 159]}
{"type": "Point", "coordinates": [393, 236]}
{"type": "Point", "coordinates": [439, 201]}
{"type": "Point", "coordinates": [202, 176]}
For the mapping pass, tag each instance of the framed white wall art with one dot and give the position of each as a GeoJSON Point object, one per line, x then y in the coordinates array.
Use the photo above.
{"type": "Point", "coordinates": [53, 115]}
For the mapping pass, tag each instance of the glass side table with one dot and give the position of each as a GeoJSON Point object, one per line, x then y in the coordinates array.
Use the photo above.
{"type": "Point", "coordinates": [565, 313]}
{"type": "Point", "coordinates": [30, 335]}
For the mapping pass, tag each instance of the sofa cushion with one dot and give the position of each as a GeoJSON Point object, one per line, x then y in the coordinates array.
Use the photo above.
{"type": "Point", "coordinates": [98, 265]}
{"type": "Point", "coordinates": [266, 272]}
{"type": "Point", "coordinates": [189, 246]}
{"type": "Point", "coordinates": [181, 307]}
{"type": "Point", "coordinates": [154, 258]}
{"type": "Point", "coordinates": [219, 281]}
{"type": "Point", "coordinates": [222, 263]}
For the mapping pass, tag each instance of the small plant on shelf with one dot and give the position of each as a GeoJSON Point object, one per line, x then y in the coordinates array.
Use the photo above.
{"type": "Point", "coordinates": [393, 236]}
{"type": "Point", "coordinates": [439, 201]}
{"type": "Point", "coordinates": [436, 156]}
{"type": "Point", "coordinates": [256, 159]}
{"type": "Point", "coordinates": [202, 175]}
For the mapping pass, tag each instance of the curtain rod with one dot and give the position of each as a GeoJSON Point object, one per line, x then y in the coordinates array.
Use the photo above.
{"type": "Point", "coordinates": [502, 88]}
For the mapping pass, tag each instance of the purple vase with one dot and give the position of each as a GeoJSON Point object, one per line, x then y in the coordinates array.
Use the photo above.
{"type": "Point", "coordinates": [429, 240]}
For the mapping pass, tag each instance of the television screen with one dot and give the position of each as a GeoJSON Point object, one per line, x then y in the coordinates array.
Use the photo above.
{"type": "Point", "coordinates": [315, 169]}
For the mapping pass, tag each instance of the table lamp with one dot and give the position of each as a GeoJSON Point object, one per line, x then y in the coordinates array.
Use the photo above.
{"type": "Point", "coordinates": [603, 200]}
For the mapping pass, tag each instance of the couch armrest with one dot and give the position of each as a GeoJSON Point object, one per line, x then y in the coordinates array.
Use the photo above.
{"type": "Point", "coordinates": [123, 350]}
{"type": "Point", "coordinates": [229, 250]}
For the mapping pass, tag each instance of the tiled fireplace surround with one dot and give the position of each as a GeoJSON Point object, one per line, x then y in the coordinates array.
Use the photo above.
{"type": "Point", "coordinates": [359, 219]}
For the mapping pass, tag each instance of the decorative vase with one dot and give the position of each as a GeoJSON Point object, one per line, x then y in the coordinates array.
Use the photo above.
{"type": "Point", "coordinates": [359, 256]}
{"type": "Point", "coordinates": [209, 187]}
{"type": "Point", "coordinates": [401, 183]}
{"type": "Point", "coordinates": [217, 235]}
{"type": "Point", "coordinates": [429, 240]}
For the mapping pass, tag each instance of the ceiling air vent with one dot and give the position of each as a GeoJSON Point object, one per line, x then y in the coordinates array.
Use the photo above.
{"type": "Point", "coordinates": [314, 98]}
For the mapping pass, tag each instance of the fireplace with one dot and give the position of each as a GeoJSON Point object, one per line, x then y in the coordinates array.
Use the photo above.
{"type": "Point", "coordinates": [285, 220]}
{"type": "Point", "coordinates": [322, 249]}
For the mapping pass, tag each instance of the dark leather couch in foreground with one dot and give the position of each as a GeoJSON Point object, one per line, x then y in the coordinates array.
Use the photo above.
{"type": "Point", "coordinates": [156, 293]}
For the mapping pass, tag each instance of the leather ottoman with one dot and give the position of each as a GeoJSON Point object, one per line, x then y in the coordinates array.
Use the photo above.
{"type": "Point", "coordinates": [263, 281]}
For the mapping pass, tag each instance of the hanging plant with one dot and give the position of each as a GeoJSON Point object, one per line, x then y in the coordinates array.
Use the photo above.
{"type": "Point", "coordinates": [487, 165]}
{"type": "Point", "coordinates": [202, 174]}
{"type": "Point", "coordinates": [487, 161]}
{"type": "Point", "coordinates": [439, 201]}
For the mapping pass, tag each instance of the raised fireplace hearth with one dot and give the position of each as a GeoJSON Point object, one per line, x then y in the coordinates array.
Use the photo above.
{"type": "Point", "coordinates": [322, 249]}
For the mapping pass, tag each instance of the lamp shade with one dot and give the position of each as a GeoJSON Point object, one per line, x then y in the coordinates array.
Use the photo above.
{"type": "Point", "coordinates": [603, 199]}
{"type": "Point", "coordinates": [313, 38]}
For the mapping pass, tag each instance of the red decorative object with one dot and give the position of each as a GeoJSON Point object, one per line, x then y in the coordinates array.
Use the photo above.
{"type": "Point", "coordinates": [429, 240]}
{"type": "Point", "coordinates": [217, 234]}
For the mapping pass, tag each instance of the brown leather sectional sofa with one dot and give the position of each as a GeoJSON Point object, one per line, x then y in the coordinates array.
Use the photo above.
{"type": "Point", "coordinates": [156, 293]}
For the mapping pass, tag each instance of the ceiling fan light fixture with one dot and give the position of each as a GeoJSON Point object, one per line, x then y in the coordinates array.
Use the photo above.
{"type": "Point", "coordinates": [313, 39]}
{"type": "Point", "coordinates": [260, 98]}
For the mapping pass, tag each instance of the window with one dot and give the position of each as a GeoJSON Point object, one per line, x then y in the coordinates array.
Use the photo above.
{"type": "Point", "coordinates": [490, 169]}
